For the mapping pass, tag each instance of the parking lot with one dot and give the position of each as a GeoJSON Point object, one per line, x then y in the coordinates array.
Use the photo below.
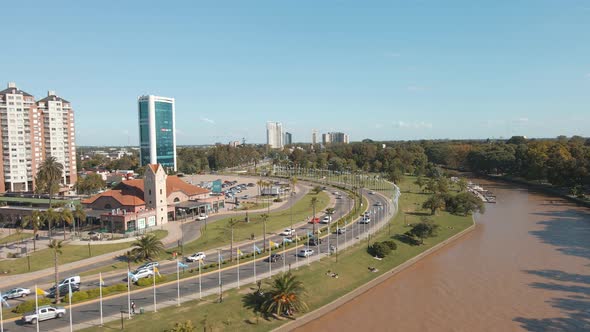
{"type": "Point", "coordinates": [250, 192]}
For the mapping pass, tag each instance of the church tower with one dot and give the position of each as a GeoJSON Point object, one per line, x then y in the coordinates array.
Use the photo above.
{"type": "Point", "coordinates": [154, 192]}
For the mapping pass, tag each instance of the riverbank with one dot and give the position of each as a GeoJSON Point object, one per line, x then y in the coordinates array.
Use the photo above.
{"type": "Point", "coordinates": [352, 268]}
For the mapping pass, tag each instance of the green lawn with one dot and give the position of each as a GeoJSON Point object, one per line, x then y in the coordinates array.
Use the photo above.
{"type": "Point", "coordinates": [43, 259]}
{"type": "Point", "coordinates": [37, 200]}
{"type": "Point", "coordinates": [219, 233]}
{"type": "Point", "coordinates": [352, 268]}
{"type": "Point", "coordinates": [15, 237]}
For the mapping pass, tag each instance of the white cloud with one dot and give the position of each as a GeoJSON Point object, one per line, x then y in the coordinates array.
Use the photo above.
{"type": "Point", "coordinates": [413, 125]}
{"type": "Point", "coordinates": [208, 120]}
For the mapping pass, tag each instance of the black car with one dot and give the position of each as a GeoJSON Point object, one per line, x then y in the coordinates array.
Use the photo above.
{"type": "Point", "coordinates": [315, 242]}
{"type": "Point", "coordinates": [274, 258]}
{"type": "Point", "coordinates": [63, 290]}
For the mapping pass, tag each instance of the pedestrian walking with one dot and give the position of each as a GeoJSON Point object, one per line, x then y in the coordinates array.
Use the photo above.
{"type": "Point", "coordinates": [132, 307]}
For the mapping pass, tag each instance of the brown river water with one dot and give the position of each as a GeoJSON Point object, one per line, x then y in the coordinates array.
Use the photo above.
{"type": "Point", "coordinates": [526, 267]}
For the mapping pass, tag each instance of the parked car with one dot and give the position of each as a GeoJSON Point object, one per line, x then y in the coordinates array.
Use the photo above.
{"type": "Point", "coordinates": [341, 230]}
{"type": "Point", "coordinates": [63, 290]}
{"type": "Point", "coordinates": [251, 185]}
{"type": "Point", "coordinates": [94, 236]}
{"type": "Point", "coordinates": [326, 219]}
{"type": "Point", "coordinates": [245, 197]}
{"type": "Point", "coordinates": [44, 313]}
{"type": "Point", "coordinates": [274, 258]}
{"type": "Point", "coordinates": [305, 252]}
{"type": "Point", "coordinates": [287, 232]}
{"type": "Point", "coordinates": [15, 293]}
{"type": "Point", "coordinates": [196, 257]}
{"type": "Point", "coordinates": [202, 216]}
{"type": "Point", "coordinates": [148, 265]}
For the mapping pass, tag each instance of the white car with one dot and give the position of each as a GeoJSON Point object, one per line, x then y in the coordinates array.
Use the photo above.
{"type": "Point", "coordinates": [365, 220]}
{"type": "Point", "coordinates": [15, 293]}
{"type": "Point", "coordinates": [44, 313]}
{"type": "Point", "coordinates": [371, 193]}
{"type": "Point", "coordinates": [141, 274]}
{"type": "Point", "coordinates": [305, 252]}
{"type": "Point", "coordinates": [287, 232]}
{"type": "Point", "coordinates": [148, 265]}
{"type": "Point", "coordinates": [378, 204]}
{"type": "Point", "coordinates": [341, 230]}
{"type": "Point", "coordinates": [202, 216]}
{"type": "Point", "coordinates": [196, 257]}
{"type": "Point", "coordinates": [326, 220]}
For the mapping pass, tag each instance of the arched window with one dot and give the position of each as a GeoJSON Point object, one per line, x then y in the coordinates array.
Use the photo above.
{"type": "Point", "coordinates": [176, 200]}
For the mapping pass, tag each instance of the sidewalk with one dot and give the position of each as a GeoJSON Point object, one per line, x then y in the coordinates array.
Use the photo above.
{"type": "Point", "coordinates": [174, 234]}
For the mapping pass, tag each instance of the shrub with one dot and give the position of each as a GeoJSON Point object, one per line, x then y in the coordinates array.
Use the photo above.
{"type": "Point", "coordinates": [12, 255]}
{"type": "Point", "coordinates": [150, 281]}
{"type": "Point", "coordinates": [117, 288]}
{"type": "Point", "coordinates": [391, 244]}
{"type": "Point", "coordinates": [277, 200]}
{"type": "Point", "coordinates": [379, 249]}
{"type": "Point", "coordinates": [79, 297]}
{"type": "Point", "coordinates": [28, 306]}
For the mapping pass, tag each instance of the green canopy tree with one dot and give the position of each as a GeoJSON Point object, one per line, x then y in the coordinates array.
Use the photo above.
{"type": "Point", "coordinates": [56, 247]}
{"type": "Point", "coordinates": [36, 221]}
{"type": "Point", "coordinates": [433, 203]}
{"type": "Point", "coordinates": [147, 247]}
{"type": "Point", "coordinates": [423, 230]}
{"type": "Point", "coordinates": [49, 177]}
{"type": "Point", "coordinates": [286, 294]}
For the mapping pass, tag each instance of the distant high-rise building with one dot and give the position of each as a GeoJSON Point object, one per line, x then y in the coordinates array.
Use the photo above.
{"type": "Point", "coordinates": [157, 131]}
{"type": "Point", "coordinates": [288, 138]}
{"type": "Point", "coordinates": [336, 137]}
{"type": "Point", "coordinates": [274, 135]}
{"type": "Point", "coordinates": [31, 132]}
{"type": "Point", "coordinates": [314, 137]}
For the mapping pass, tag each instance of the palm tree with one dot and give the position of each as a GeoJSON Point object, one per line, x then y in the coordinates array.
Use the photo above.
{"type": "Point", "coordinates": [79, 215]}
{"type": "Point", "coordinates": [129, 256]}
{"type": "Point", "coordinates": [314, 202]}
{"type": "Point", "coordinates": [147, 247]}
{"type": "Point", "coordinates": [49, 177]}
{"type": "Point", "coordinates": [286, 295]}
{"type": "Point", "coordinates": [56, 247]}
{"type": "Point", "coordinates": [66, 217]}
{"type": "Point", "coordinates": [293, 184]}
{"type": "Point", "coordinates": [36, 221]}
{"type": "Point", "coordinates": [50, 216]}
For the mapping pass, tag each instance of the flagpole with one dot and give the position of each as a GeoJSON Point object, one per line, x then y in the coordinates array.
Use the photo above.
{"type": "Point", "coordinates": [70, 297]}
{"type": "Point", "coordinates": [238, 253]}
{"type": "Point", "coordinates": [100, 295]}
{"type": "Point", "coordinates": [154, 286]}
{"type": "Point", "coordinates": [129, 293]}
{"type": "Point", "coordinates": [219, 268]}
{"type": "Point", "coordinates": [200, 290]}
{"type": "Point", "coordinates": [37, 306]}
{"type": "Point", "coordinates": [269, 260]}
{"type": "Point", "coordinates": [254, 261]}
{"type": "Point", "coordinates": [284, 256]}
{"type": "Point", "coordinates": [177, 283]}
{"type": "Point", "coordinates": [1, 311]}
{"type": "Point", "coordinates": [296, 254]}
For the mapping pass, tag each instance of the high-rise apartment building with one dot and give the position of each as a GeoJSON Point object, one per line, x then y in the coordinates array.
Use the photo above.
{"type": "Point", "coordinates": [31, 132]}
{"type": "Point", "coordinates": [314, 137]}
{"type": "Point", "coordinates": [157, 131]}
{"type": "Point", "coordinates": [335, 138]}
{"type": "Point", "coordinates": [288, 138]}
{"type": "Point", "coordinates": [274, 135]}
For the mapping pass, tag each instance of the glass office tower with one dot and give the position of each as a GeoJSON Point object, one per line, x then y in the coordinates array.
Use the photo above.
{"type": "Point", "coordinates": [157, 131]}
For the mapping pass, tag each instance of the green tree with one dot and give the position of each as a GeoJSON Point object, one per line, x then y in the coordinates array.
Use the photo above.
{"type": "Point", "coordinates": [36, 221]}
{"type": "Point", "coordinates": [464, 203]}
{"type": "Point", "coordinates": [434, 203]}
{"type": "Point", "coordinates": [90, 184]}
{"type": "Point", "coordinates": [187, 326]}
{"type": "Point", "coordinates": [51, 217]}
{"type": "Point", "coordinates": [462, 184]}
{"type": "Point", "coordinates": [147, 247]}
{"type": "Point", "coordinates": [287, 293]}
{"type": "Point", "coordinates": [423, 230]}
{"type": "Point", "coordinates": [56, 247]}
{"type": "Point", "coordinates": [420, 183]}
{"type": "Point", "coordinates": [79, 215]}
{"type": "Point", "coordinates": [67, 218]}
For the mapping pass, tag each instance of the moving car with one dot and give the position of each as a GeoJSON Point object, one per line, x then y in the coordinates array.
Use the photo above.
{"type": "Point", "coordinates": [315, 242]}
{"type": "Point", "coordinates": [314, 221]}
{"type": "Point", "coordinates": [148, 265]}
{"type": "Point", "coordinates": [75, 280]}
{"type": "Point", "coordinates": [141, 274]}
{"type": "Point", "coordinates": [341, 230]}
{"type": "Point", "coordinates": [287, 232]}
{"type": "Point", "coordinates": [15, 293]}
{"type": "Point", "coordinates": [202, 216]}
{"type": "Point", "coordinates": [305, 252]}
{"type": "Point", "coordinates": [339, 197]}
{"type": "Point", "coordinates": [365, 220]}
{"type": "Point", "coordinates": [371, 193]}
{"type": "Point", "coordinates": [378, 204]}
{"type": "Point", "coordinates": [63, 290]}
{"type": "Point", "coordinates": [274, 258]}
{"type": "Point", "coordinates": [326, 219]}
{"type": "Point", "coordinates": [196, 257]}
{"type": "Point", "coordinates": [44, 313]}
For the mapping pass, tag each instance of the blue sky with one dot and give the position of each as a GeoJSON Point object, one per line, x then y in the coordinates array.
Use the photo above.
{"type": "Point", "coordinates": [374, 69]}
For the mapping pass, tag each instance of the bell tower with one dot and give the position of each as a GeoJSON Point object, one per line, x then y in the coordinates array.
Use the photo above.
{"type": "Point", "coordinates": [154, 192]}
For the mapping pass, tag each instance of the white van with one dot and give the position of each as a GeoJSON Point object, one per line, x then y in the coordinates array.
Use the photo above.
{"type": "Point", "coordinates": [75, 280]}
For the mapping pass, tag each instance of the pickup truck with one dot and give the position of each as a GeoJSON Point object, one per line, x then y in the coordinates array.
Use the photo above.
{"type": "Point", "coordinates": [44, 313]}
